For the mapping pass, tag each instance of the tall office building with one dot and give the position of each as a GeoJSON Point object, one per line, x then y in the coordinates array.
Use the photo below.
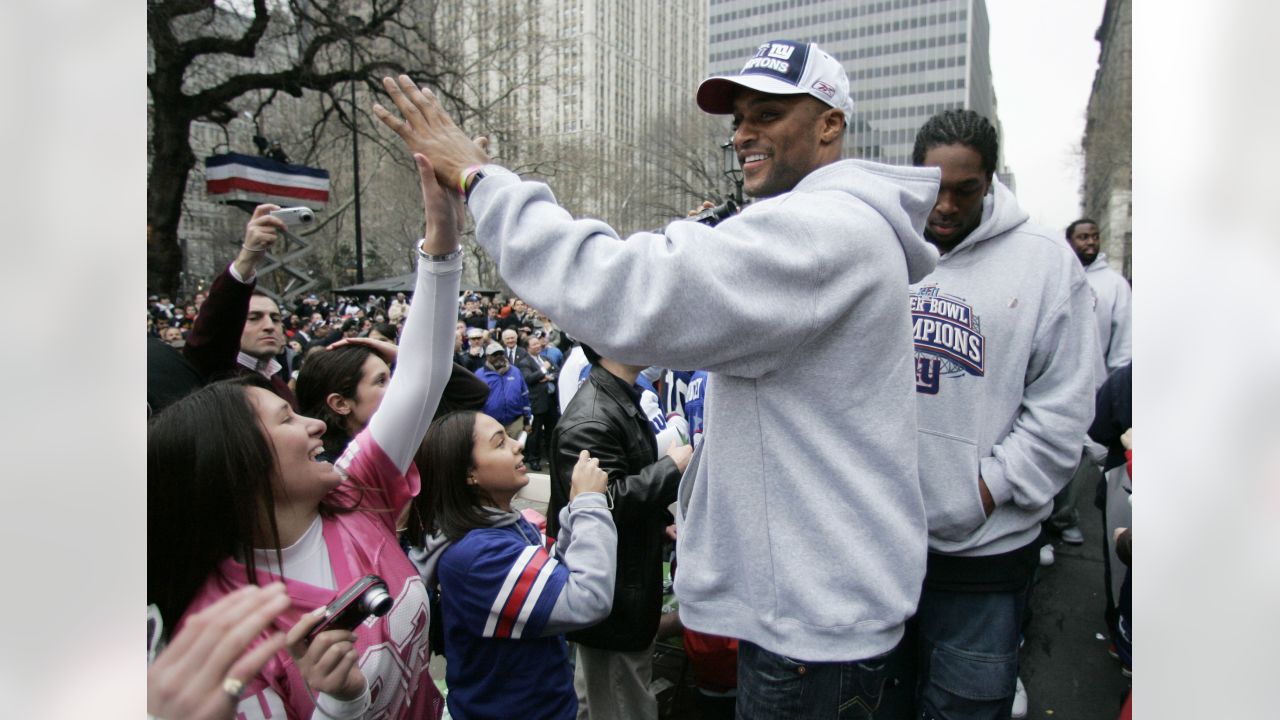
{"type": "Point", "coordinates": [595, 83]}
{"type": "Point", "coordinates": [906, 59]}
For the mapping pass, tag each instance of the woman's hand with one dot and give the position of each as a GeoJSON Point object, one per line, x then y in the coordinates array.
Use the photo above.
{"type": "Point", "coordinates": [587, 476]}
{"type": "Point", "coordinates": [445, 214]}
{"type": "Point", "coordinates": [328, 664]}
{"type": "Point", "coordinates": [386, 350]}
{"type": "Point", "coordinates": [189, 678]}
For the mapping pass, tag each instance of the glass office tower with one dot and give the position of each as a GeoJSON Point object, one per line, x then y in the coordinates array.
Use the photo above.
{"type": "Point", "coordinates": [906, 59]}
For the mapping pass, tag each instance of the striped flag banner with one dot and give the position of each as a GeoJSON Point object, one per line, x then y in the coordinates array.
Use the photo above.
{"type": "Point", "coordinates": [232, 176]}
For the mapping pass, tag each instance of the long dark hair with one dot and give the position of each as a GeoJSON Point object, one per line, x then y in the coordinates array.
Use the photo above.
{"type": "Point", "coordinates": [332, 371]}
{"type": "Point", "coordinates": [209, 470]}
{"type": "Point", "coordinates": [448, 504]}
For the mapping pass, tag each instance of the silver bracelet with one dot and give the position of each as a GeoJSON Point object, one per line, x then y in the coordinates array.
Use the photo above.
{"type": "Point", "coordinates": [254, 250]}
{"type": "Point", "coordinates": [438, 258]}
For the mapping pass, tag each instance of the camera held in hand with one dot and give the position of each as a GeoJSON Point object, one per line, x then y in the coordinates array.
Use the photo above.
{"type": "Point", "coordinates": [714, 215]}
{"type": "Point", "coordinates": [295, 215]}
{"type": "Point", "coordinates": [365, 598]}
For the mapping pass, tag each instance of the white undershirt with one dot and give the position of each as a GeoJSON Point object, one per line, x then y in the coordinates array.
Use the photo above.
{"type": "Point", "coordinates": [307, 560]}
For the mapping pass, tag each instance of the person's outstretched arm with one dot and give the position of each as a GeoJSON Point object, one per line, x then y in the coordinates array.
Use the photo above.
{"type": "Point", "coordinates": [424, 360]}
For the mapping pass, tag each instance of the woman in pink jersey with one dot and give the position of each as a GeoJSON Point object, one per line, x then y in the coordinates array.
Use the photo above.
{"type": "Point", "coordinates": [237, 496]}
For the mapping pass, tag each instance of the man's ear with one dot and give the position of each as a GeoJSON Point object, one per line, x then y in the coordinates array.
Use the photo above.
{"type": "Point", "coordinates": [338, 404]}
{"type": "Point", "coordinates": [831, 125]}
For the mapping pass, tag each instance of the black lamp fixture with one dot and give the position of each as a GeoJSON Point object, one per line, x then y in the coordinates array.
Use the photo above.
{"type": "Point", "coordinates": [731, 169]}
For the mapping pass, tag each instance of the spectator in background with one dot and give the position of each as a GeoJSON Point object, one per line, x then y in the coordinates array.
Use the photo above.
{"type": "Point", "coordinates": [173, 336]}
{"type": "Point", "coordinates": [511, 347]}
{"type": "Point", "coordinates": [613, 667]}
{"type": "Point", "coordinates": [540, 377]}
{"type": "Point", "coordinates": [473, 357]}
{"type": "Point", "coordinates": [397, 308]}
{"type": "Point", "coordinates": [238, 329]}
{"type": "Point", "coordinates": [553, 353]}
{"type": "Point", "coordinates": [508, 401]}
{"type": "Point", "coordinates": [471, 313]}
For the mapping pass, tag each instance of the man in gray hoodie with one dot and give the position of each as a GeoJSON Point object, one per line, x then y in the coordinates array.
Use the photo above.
{"type": "Point", "coordinates": [802, 526]}
{"type": "Point", "coordinates": [1005, 354]}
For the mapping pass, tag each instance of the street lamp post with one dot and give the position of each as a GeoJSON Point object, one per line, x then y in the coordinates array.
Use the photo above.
{"type": "Point", "coordinates": [731, 169]}
{"type": "Point", "coordinates": [353, 23]}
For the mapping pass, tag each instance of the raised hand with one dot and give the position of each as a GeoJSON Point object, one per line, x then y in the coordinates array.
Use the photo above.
{"type": "Point", "coordinates": [259, 236]}
{"type": "Point", "coordinates": [443, 208]}
{"type": "Point", "coordinates": [427, 130]}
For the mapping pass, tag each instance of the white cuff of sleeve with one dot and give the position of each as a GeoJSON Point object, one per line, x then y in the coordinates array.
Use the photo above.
{"type": "Point", "coordinates": [440, 264]}
{"type": "Point", "coordinates": [590, 499]}
{"type": "Point", "coordinates": [231, 269]}
{"type": "Point", "coordinates": [336, 709]}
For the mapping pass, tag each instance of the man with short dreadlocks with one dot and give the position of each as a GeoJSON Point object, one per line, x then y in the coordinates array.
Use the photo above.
{"type": "Point", "coordinates": [1004, 351]}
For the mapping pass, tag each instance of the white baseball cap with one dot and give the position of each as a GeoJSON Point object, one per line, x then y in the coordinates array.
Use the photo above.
{"type": "Point", "coordinates": [781, 67]}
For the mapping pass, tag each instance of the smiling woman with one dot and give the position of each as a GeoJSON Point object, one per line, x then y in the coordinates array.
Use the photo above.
{"type": "Point", "coordinates": [238, 494]}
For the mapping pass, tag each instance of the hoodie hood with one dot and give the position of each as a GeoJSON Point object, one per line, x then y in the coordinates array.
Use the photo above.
{"type": "Point", "coordinates": [904, 196]}
{"type": "Point", "coordinates": [1099, 263]}
{"type": "Point", "coordinates": [427, 557]}
{"type": "Point", "coordinates": [1000, 214]}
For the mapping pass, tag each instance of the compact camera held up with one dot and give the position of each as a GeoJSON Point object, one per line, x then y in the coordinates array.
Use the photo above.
{"type": "Point", "coordinates": [295, 215]}
{"type": "Point", "coordinates": [365, 598]}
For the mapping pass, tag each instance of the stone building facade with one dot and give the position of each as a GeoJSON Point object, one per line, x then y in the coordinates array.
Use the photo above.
{"type": "Point", "coordinates": [1108, 154]}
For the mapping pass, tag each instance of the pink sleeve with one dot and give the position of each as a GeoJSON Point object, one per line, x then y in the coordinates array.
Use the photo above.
{"type": "Point", "coordinates": [373, 481]}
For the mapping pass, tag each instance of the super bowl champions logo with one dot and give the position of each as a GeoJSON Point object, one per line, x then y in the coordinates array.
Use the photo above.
{"type": "Point", "coordinates": [948, 339]}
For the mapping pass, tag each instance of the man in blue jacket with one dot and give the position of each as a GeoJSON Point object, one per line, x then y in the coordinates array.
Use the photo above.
{"type": "Point", "coordinates": [508, 401]}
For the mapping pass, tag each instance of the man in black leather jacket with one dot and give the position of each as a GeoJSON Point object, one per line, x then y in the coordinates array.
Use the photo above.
{"type": "Point", "coordinates": [614, 658]}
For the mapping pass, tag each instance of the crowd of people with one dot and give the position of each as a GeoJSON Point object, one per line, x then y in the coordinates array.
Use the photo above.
{"type": "Point", "coordinates": [858, 499]}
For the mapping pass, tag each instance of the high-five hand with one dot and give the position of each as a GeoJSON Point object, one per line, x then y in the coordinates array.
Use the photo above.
{"type": "Point", "coordinates": [428, 130]}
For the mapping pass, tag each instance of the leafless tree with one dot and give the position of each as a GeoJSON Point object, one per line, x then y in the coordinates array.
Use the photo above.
{"type": "Point", "coordinates": [212, 60]}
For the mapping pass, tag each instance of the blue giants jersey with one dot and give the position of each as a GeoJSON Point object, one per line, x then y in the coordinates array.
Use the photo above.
{"type": "Point", "coordinates": [497, 589]}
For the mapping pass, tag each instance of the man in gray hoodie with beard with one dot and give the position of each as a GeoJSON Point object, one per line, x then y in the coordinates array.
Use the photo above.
{"type": "Point", "coordinates": [1005, 354]}
{"type": "Point", "coordinates": [801, 522]}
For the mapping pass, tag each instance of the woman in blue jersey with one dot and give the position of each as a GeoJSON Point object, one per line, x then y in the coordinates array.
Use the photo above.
{"type": "Point", "coordinates": [497, 581]}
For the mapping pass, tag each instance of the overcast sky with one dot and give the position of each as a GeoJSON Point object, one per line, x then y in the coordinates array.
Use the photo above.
{"type": "Point", "coordinates": [1043, 57]}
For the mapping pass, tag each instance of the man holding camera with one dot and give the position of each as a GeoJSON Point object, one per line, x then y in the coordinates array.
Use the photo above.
{"type": "Point", "coordinates": [806, 540]}
{"type": "Point", "coordinates": [238, 329]}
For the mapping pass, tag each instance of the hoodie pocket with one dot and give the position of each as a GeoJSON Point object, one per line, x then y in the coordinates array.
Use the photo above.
{"type": "Point", "coordinates": [949, 483]}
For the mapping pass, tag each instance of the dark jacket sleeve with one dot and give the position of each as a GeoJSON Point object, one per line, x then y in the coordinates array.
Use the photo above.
{"type": "Point", "coordinates": [1113, 414]}
{"type": "Point", "coordinates": [464, 391]}
{"type": "Point", "coordinates": [653, 487]}
{"type": "Point", "coordinates": [214, 341]}
{"type": "Point", "coordinates": [530, 370]}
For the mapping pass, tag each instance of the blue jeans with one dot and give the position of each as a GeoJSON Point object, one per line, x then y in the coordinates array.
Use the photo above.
{"type": "Point", "coordinates": [773, 686]}
{"type": "Point", "coordinates": [967, 653]}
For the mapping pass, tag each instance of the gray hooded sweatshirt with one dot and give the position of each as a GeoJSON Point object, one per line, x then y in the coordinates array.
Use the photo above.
{"type": "Point", "coordinates": [1005, 357]}
{"type": "Point", "coordinates": [801, 522]}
